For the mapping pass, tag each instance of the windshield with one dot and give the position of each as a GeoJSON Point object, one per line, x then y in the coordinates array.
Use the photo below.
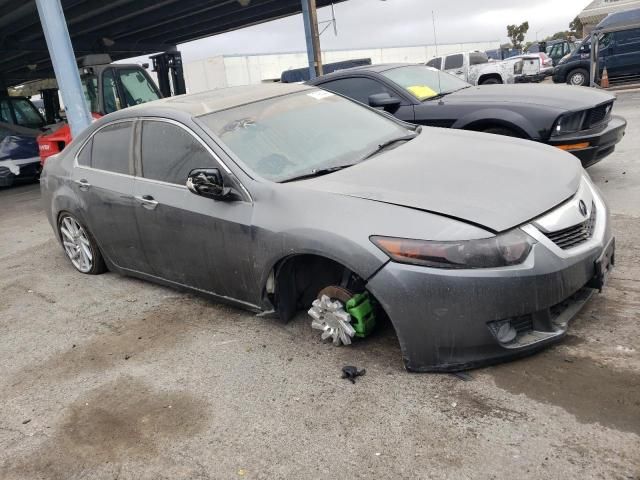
{"type": "Point", "coordinates": [285, 137]}
{"type": "Point", "coordinates": [136, 87]}
{"type": "Point", "coordinates": [26, 113]}
{"type": "Point", "coordinates": [425, 82]}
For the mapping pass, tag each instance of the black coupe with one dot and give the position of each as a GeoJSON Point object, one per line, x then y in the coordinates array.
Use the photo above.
{"type": "Point", "coordinates": [577, 120]}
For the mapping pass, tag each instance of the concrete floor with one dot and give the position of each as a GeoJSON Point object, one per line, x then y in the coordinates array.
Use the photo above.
{"type": "Point", "coordinates": [108, 377]}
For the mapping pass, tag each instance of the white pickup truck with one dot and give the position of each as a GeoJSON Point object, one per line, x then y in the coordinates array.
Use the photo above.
{"type": "Point", "coordinates": [477, 69]}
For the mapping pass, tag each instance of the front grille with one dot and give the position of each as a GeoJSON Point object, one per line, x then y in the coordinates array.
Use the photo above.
{"type": "Point", "coordinates": [597, 115]}
{"type": "Point", "coordinates": [574, 236]}
{"type": "Point", "coordinates": [523, 324]}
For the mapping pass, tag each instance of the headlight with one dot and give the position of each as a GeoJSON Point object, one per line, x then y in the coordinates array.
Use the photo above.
{"type": "Point", "coordinates": [568, 123]}
{"type": "Point", "coordinates": [511, 248]}
{"type": "Point", "coordinates": [517, 67]}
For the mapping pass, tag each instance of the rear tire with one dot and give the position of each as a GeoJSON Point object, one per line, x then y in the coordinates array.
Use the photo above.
{"type": "Point", "coordinates": [507, 132]}
{"type": "Point", "coordinates": [491, 81]}
{"type": "Point", "coordinates": [578, 77]}
{"type": "Point", "coordinates": [80, 246]}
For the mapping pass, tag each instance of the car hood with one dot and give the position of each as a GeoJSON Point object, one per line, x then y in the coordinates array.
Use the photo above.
{"type": "Point", "coordinates": [492, 181]}
{"type": "Point", "coordinates": [565, 97]}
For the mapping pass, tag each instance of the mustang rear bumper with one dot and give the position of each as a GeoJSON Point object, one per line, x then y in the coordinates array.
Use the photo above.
{"type": "Point", "coordinates": [602, 141]}
{"type": "Point", "coordinates": [448, 320]}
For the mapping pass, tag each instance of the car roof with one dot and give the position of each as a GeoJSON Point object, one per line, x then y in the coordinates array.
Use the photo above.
{"type": "Point", "coordinates": [378, 68]}
{"type": "Point", "coordinates": [196, 104]}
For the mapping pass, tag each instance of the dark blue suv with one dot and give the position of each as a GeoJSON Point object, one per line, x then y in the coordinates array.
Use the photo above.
{"type": "Point", "coordinates": [619, 51]}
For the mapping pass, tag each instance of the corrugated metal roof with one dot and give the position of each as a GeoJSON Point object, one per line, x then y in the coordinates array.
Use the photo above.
{"type": "Point", "coordinates": [124, 28]}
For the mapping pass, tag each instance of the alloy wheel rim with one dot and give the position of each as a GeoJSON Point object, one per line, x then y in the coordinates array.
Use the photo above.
{"type": "Point", "coordinates": [76, 244]}
{"type": "Point", "coordinates": [577, 79]}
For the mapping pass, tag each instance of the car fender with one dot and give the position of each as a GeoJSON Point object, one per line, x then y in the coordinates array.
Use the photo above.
{"type": "Point", "coordinates": [321, 243]}
{"type": "Point", "coordinates": [499, 116]}
{"type": "Point", "coordinates": [65, 200]}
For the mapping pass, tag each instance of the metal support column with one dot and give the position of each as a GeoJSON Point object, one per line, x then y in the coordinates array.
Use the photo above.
{"type": "Point", "coordinates": [56, 34]}
{"type": "Point", "coordinates": [314, 54]}
{"type": "Point", "coordinates": [594, 70]}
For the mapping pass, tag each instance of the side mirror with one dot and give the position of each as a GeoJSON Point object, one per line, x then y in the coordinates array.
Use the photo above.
{"type": "Point", "coordinates": [208, 182]}
{"type": "Point", "coordinates": [385, 101]}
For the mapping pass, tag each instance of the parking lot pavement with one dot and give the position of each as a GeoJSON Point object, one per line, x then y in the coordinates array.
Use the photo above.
{"type": "Point", "coordinates": [109, 377]}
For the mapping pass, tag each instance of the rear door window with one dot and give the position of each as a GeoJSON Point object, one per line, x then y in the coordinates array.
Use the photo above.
{"type": "Point", "coordinates": [84, 156]}
{"type": "Point", "coordinates": [454, 61]}
{"type": "Point", "coordinates": [111, 150]}
{"type": "Point", "coordinates": [169, 153]}
{"type": "Point", "coordinates": [356, 88]}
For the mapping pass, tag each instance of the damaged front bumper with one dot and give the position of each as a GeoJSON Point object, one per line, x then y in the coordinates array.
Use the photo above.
{"type": "Point", "coordinates": [10, 170]}
{"type": "Point", "coordinates": [449, 320]}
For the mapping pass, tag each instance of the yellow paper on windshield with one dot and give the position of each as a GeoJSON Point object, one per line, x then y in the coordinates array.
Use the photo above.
{"type": "Point", "coordinates": [422, 91]}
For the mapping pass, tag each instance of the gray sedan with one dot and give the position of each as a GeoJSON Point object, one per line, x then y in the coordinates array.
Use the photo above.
{"type": "Point", "coordinates": [477, 247]}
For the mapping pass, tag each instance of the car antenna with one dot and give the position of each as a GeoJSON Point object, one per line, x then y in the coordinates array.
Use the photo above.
{"type": "Point", "coordinates": [435, 39]}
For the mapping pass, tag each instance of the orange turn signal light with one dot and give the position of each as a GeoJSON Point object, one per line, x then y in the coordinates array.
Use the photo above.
{"type": "Point", "coordinates": [574, 146]}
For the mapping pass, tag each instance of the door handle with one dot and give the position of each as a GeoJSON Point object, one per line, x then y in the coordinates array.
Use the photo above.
{"type": "Point", "coordinates": [83, 184]}
{"type": "Point", "coordinates": [459, 72]}
{"type": "Point", "coordinates": [147, 202]}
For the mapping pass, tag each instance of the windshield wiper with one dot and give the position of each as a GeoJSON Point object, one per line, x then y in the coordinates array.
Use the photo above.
{"type": "Point", "coordinates": [317, 173]}
{"type": "Point", "coordinates": [388, 143]}
{"type": "Point", "coordinates": [443, 94]}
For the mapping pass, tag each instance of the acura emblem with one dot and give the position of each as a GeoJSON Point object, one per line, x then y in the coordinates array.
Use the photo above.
{"type": "Point", "coordinates": [583, 208]}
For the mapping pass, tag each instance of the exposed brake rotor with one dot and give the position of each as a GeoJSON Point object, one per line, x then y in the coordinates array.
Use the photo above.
{"type": "Point", "coordinates": [329, 315]}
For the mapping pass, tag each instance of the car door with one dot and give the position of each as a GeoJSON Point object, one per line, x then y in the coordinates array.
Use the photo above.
{"type": "Point", "coordinates": [188, 239]}
{"type": "Point", "coordinates": [103, 182]}
{"type": "Point", "coordinates": [625, 58]}
{"type": "Point", "coordinates": [360, 88]}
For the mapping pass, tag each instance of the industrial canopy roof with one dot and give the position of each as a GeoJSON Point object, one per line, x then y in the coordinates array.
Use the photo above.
{"type": "Point", "coordinates": [124, 28]}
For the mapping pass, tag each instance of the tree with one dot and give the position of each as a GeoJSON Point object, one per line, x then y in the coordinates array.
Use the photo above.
{"type": "Point", "coordinates": [576, 27]}
{"type": "Point", "coordinates": [517, 33]}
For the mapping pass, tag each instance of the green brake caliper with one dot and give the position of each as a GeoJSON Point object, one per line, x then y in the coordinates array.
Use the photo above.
{"type": "Point", "coordinates": [361, 310]}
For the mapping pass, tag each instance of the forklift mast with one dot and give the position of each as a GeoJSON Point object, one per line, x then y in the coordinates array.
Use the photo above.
{"type": "Point", "coordinates": [168, 66]}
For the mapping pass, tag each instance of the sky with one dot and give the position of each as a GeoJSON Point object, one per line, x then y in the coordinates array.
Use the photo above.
{"type": "Point", "coordinates": [387, 23]}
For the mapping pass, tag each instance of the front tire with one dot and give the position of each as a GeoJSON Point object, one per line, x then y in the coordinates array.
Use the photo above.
{"type": "Point", "coordinates": [80, 246]}
{"type": "Point", "coordinates": [578, 77]}
{"type": "Point", "coordinates": [507, 132]}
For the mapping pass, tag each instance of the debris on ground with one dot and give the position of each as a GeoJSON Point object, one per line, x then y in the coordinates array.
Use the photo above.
{"type": "Point", "coordinates": [467, 377]}
{"type": "Point", "coordinates": [350, 372]}
{"type": "Point", "coordinates": [24, 422]}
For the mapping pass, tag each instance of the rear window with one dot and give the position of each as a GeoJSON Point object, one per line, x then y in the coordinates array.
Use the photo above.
{"type": "Point", "coordinates": [435, 63]}
{"type": "Point", "coordinates": [477, 58]}
{"type": "Point", "coordinates": [112, 147]}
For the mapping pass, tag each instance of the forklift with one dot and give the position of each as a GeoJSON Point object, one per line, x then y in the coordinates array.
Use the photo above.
{"type": "Point", "coordinates": [108, 87]}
